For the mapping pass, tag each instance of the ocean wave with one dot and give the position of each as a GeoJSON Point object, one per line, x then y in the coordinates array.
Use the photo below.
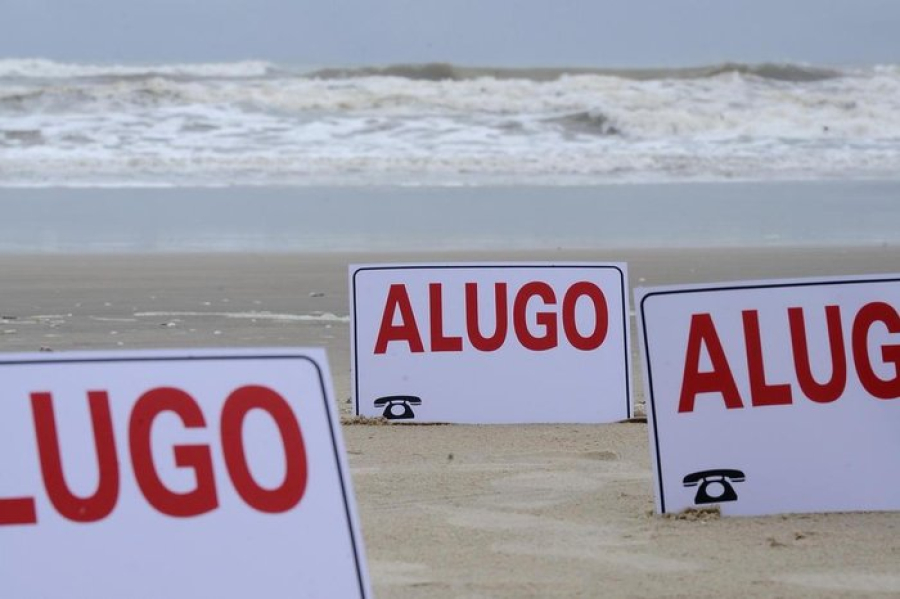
{"type": "Point", "coordinates": [588, 122]}
{"type": "Point", "coordinates": [249, 122]}
{"type": "Point", "coordinates": [450, 72]}
{"type": "Point", "coordinates": [40, 68]}
{"type": "Point", "coordinates": [121, 96]}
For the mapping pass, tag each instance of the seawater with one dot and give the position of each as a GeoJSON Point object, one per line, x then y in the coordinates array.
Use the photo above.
{"type": "Point", "coordinates": [257, 123]}
{"type": "Point", "coordinates": [421, 218]}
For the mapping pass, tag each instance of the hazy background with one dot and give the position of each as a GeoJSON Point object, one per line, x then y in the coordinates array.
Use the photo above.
{"type": "Point", "coordinates": [483, 32]}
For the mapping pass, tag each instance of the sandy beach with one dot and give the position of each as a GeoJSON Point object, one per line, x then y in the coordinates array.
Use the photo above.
{"type": "Point", "coordinates": [474, 511]}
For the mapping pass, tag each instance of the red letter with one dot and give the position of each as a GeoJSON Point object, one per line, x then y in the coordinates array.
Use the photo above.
{"type": "Point", "coordinates": [436, 306]}
{"type": "Point", "coordinates": [480, 342]}
{"type": "Point", "coordinates": [869, 314]}
{"type": "Point", "coordinates": [601, 316]}
{"type": "Point", "coordinates": [719, 379]}
{"type": "Point", "coordinates": [761, 393]}
{"type": "Point", "coordinates": [101, 503]}
{"type": "Point", "coordinates": [830, 391]}
{"type": "Point", "coordinates": [546, 319]}
{"type": "Point", "coordinates": [289, 494]}
{"type": "Point", "coordinates": [17, 510]}
{"type": "Point", "coordinates": [193, 503]}
{"type": "Point", "coordinates": [407, 330]}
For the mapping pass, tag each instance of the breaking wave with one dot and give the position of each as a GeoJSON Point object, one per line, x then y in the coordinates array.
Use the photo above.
{"type": "Point", "coordinates": [39, 68]}
{"type": "Point", "coordinates": [262, 123]}
{"type": "Point", "coordinates": [446, 71]}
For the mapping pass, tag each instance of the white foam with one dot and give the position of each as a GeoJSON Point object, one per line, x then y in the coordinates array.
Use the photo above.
{"type": "Point", "coordinates": [252, 123]}
{"type": "Point", "coordinates": [45, 69]}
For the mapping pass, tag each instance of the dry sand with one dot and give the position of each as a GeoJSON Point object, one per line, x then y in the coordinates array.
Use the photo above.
{"type": "Point", "coordinates": [475, 511]}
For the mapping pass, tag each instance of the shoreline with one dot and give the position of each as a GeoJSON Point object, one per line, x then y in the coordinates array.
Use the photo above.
{"type": "Point", "coordinates": [416, 219]}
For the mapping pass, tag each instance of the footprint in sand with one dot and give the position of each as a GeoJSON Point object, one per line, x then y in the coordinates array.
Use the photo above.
{"type": "Point", "coordinates": [544, 537]}
{"type": "Point", "coordinates": [399, 573]}
{"type": "Point", "coordinates": [601, 456]}
{"type": "Point", "coordinates": [849, 582]}
{"type": "Point", "coordinates": [534, 490]}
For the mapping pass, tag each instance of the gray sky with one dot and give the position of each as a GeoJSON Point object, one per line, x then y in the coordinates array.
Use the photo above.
{"type": "Point", "coordinates": [477, 32]}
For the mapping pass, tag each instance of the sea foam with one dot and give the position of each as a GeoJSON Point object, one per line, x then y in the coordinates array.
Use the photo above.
{"type": "Point", "coordinates": [249, 123]}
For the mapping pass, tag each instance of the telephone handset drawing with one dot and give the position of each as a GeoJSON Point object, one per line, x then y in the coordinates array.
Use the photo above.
{"type": "Point", "coordinates": [397, 407]}
{"type": "Point", "coordinates": [714, 485]}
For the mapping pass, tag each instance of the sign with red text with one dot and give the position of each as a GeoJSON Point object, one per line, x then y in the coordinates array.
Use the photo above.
{"type": "Point", "coordinates": [491, 343]}
{"type": "Point", "coordinates": [775, 396]}
{"type": "Point", "coordinates": [177, 474]}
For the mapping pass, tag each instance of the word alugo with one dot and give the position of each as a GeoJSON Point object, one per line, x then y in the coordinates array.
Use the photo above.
{"type": "Point", "coordinates": [204, 497]}
{"type": "Point", "coordinates": [546, 321]}
{"type": "Point", "coordinates": [721, 380]}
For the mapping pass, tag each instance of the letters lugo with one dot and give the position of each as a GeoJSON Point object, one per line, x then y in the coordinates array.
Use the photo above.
{"type": "Point", "coordinates": [203, 497]}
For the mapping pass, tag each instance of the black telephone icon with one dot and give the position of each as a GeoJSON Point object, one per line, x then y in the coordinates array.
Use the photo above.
{"type": "Point", "coordinates": [397, 407]}
{"type": "Point", "coordinates": [715, 485]}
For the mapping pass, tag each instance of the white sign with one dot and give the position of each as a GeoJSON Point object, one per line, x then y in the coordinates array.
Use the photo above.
{"type": "Point", "coordinates": [174, 474]}
{"type": "Point", "coordinates": [491, 343]}
{"type": "Point", "coordinates": [774, 397]}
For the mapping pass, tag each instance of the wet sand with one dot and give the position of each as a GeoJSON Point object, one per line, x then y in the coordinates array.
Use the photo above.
{"type": "Point", "coordinates": [426, 218]}
{"type": "Point", "coordinates": [474, 511]}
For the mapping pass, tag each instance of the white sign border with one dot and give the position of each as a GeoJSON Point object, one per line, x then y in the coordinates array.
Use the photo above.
{"type": "Point", "coordinates": [642, 294]}
{"type": "Point", "coordinates": [617, 266]}
{"type": "Point", "coordinates": [188, 355]}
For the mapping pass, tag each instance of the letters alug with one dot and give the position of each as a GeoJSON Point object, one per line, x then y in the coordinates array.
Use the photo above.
{"type": "Point", "coordinates": [783, 392]}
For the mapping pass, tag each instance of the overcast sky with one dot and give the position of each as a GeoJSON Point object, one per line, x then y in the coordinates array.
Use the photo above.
{"type": "Point", "coordinates": [476, 32]}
